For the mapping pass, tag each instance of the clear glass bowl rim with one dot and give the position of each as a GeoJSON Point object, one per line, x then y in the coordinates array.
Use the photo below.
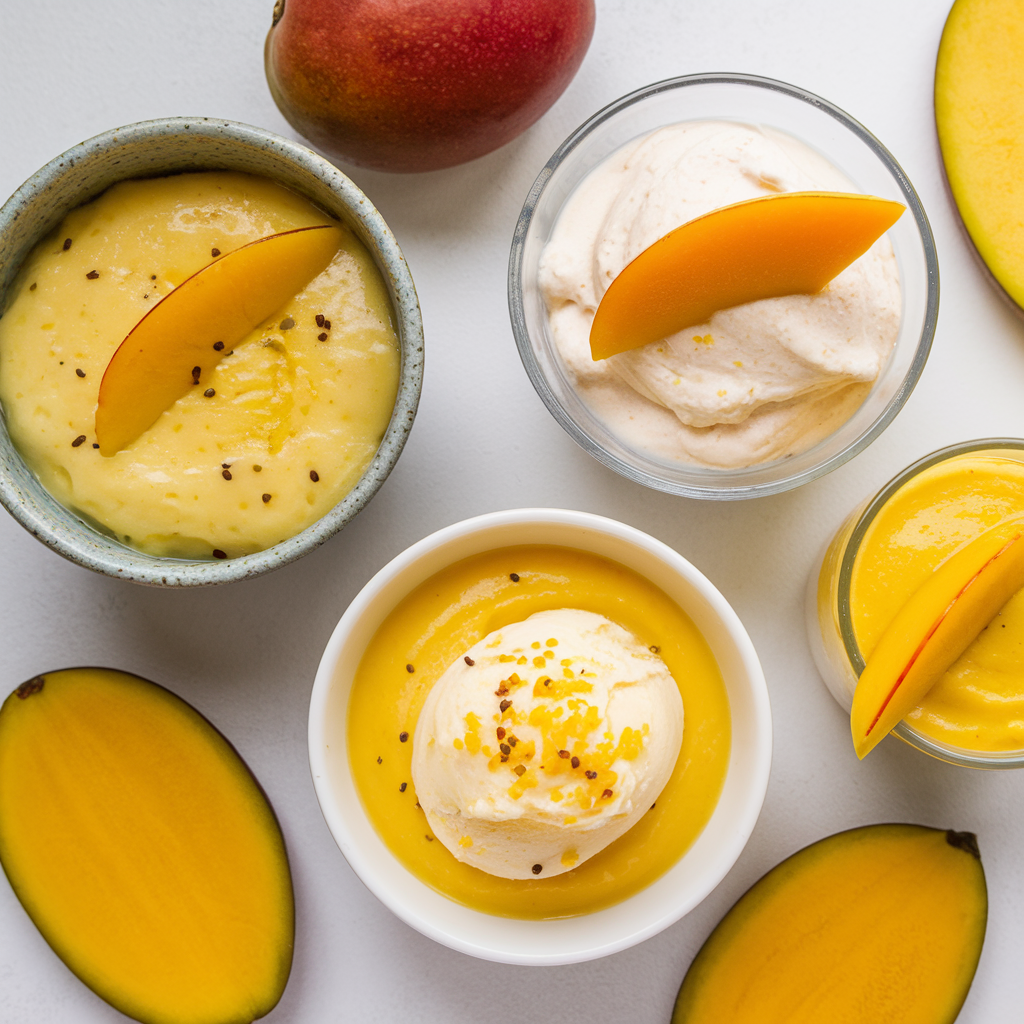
{"type": "Point", "coordinates": [521, 332]}
{"type": "Point", "coordinates": [943, 751]}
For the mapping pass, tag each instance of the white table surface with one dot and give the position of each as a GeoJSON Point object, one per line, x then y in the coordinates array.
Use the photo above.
{"type": "Point", "coordinates": [245, 655]}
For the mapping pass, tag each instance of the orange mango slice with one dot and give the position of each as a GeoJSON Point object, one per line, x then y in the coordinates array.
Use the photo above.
{"type": "Point", "coordinates": [877, 925]}
{"type": "Point", "coordinates": [785, 244]}
{"type": "Point", "coordinates": [143, 849]}
{"type": "Point", "coordinates": [934, 627]}
{"type": "Point", "coordinates": [171, 349]}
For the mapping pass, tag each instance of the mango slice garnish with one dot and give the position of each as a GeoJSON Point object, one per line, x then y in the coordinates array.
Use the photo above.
{"type": "Point", "coordinates": [936, 625]}
{"type": "Point", "coordinates": [171, 349]}
{"type": "Point", "coordinates": [790, 243]}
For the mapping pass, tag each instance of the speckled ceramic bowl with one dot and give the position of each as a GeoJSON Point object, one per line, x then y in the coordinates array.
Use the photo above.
{"type": "Point", "coordinates": [154, 148]}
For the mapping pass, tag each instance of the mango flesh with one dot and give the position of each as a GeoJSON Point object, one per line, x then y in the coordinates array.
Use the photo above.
{"type": "Point", "coordinates": [979, 113]}
{"type": "Point", "coordinates": [171, 349]}
{"type": "Point", "coordinates": [785, 244]}
{"type": "Point", "coordinates": [936, 625]}
{"type": "Point", "coordinates": [143, 849]}
{"type": "Point", "coordinates": [878, 925]}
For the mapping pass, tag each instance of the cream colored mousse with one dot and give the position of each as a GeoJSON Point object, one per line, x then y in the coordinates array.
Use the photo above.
{"type": "Point", "coordinates": [756, 382]}
{"type": "Point", "coordinates": [545, 742]}
{"type": "Point", "coordinates": [276, 436]}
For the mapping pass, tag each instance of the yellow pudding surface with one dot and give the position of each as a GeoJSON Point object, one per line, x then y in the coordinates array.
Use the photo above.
{"type": "Point", "coordinates": [978, 704]}
{"type": "Point", "coordinates": [293, 420]}
{"type": "Point", "coordinates": [445, 616]}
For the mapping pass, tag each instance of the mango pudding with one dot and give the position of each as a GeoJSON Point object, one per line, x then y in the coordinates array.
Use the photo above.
{"type": "Point", "coordinates": [200, 365]}
{"type": "Point", "coordinates": [926, 586]}
{"type": "Point", "coordinates": [516, 732]}
{"type": "Point", "coordinates": [721, 341]}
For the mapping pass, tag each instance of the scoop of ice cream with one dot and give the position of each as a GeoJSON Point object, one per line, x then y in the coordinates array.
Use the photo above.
{"type": "Point", "coordinates": [545, 742]}
{"type": "Point", "coordinates": [755, 382]}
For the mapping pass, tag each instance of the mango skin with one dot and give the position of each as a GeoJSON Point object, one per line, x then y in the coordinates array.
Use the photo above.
{"type": "Point", "coordinates": [979, 114]}
{"type": "Point", "coordinates": [417, 85]}
{"type": "Point", "coordinates": [143, 849]}
{"type": "Point", "coordinates": [882, 924]}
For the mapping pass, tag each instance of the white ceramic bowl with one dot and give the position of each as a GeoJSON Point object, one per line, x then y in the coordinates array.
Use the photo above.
{"type": "Point", "coordinates": [606, 931]}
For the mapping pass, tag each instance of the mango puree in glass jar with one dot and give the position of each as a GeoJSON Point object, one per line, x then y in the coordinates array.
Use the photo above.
{"type": "Point", "coordinates": [978, 704]}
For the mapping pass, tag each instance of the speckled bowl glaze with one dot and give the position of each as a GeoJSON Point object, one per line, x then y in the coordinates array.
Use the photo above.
{"type": "Point", "coordinates": [150, 149]}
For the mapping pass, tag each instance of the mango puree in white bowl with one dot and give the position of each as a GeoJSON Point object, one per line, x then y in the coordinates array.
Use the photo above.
{"type": "Point", "coordinates": [428, 607]}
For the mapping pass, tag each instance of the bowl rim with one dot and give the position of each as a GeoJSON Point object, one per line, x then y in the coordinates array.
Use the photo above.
{"type": "Point", "coordinates": [87, 547]}
{"type": "Point", "coordinates": [754, 760]}
{"type": "Point", "coordinates": [961, 756]}
{"type": "Point", "coordinates": [738, 491]}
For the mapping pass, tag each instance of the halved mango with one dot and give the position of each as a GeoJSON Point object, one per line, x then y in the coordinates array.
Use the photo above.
{"type": "Point", "coordinates": [143, 849]}
{"type": "Point", "coordinates": [785, 244]}
{"type": "Point", "coordinates": [878, 925]}
{"type": "Point", "coordinates": [936, 625]}
{"type": "Point", "coordinates": [979, 114]}
{"type": "Point", "coordinates": [171, 349]}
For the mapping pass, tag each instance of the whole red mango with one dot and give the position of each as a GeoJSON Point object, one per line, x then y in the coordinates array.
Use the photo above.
{"type": "Point", "coordinates": [416, 85]}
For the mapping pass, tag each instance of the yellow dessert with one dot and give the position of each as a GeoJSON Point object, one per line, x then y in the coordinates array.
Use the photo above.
{"type": "Point", "coordinates": [272, 435]}
{"type": "Point", "coordinates": [953, 508]}
{"type": "Point", "coordinates": [444, 618]}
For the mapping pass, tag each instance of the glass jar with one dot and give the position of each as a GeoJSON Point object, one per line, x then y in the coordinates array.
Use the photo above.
{"type": "Point", "coordinates": [830, 626]}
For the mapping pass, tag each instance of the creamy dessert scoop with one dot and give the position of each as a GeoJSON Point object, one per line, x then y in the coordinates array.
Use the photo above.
{"type": "Point", "coordinates": [754, 383]}
{"type": "Point", "coordinates": [545, 742]}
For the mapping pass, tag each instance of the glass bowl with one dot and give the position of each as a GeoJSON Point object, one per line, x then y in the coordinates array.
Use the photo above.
{"type": "Point", "coordinates": [169, 146]}
{"type": "Point", "coordinates": [829, 626]}
{"type": "Point", "coordinates": [848, 146]}
{"type": "Point", "coordinates": [569, 939]}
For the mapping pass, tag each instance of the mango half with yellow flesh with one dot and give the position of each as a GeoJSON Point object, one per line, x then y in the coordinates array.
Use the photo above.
{"type": "Point", "coordinates": [979, 114]}
{"type": "Point", "coordinates": [183, 337]}
{"type": "Point", "coordinates": [936, 625]}
{"type": "Point", "coordinates": [143, 849]}
{"type": "Point", "coordinates": [878, 925]}
{"type": "Point", "coordinates": [785, 244]}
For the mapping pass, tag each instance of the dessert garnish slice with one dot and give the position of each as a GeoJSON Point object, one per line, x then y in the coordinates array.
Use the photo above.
{"type": "Point", "coordinates": [183, 337]}
{"type": "Point", "coordinates": [789, 243]}
{"type": "Point", "coordinates": [935, 626]}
